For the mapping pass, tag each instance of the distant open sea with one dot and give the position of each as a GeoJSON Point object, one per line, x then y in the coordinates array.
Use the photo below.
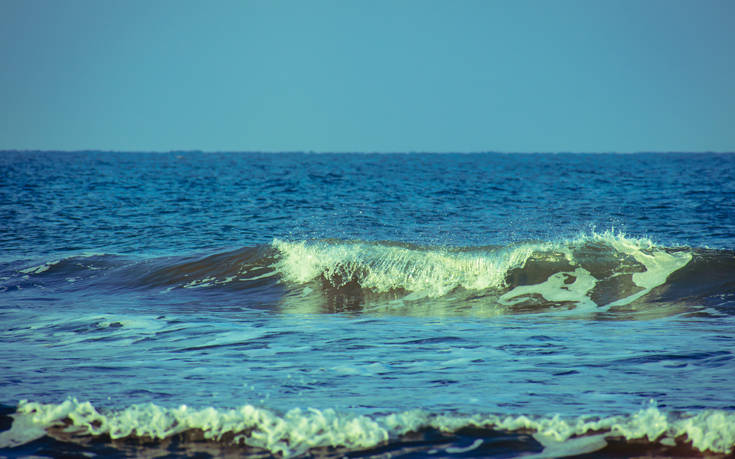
{"type": "Point", "coordinates": [367, 305]}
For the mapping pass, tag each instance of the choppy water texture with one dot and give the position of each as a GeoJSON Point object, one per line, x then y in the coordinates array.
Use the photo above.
{"type": "Point", "coordinates": [301, 304]}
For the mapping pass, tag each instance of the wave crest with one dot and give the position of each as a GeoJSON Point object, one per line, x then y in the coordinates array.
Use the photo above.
{"type": "Point", "coordinates": [593, 272]}
{"type": "Point", "coordinates": [590, 271]}
{"type": "Point", "coordinates": [299, 431]}
{"type": "Point", "coordinates": [384, 268]}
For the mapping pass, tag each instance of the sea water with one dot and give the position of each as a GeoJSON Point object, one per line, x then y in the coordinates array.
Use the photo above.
{"type": "Point", "coordinates": [487, 305]}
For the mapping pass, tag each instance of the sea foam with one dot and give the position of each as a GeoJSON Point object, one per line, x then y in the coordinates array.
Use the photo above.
{"type": "Point", "coordinates": [297, 431]}
{"type": "Point", "coordinates": [382, 268]}
{"type": "Point", "coordinates": [570, 271]}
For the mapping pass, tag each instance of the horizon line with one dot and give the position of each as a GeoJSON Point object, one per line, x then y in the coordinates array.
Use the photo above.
{"type": "Point", "coordinates": [315, 152]}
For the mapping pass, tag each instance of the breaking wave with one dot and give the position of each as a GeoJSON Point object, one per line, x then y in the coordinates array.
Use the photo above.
{"type": "Point", "coordinates": [593, 271]}
{"type": "Point", "coordinates": [299, 432]}
{"type": "Point", "coordinates": [597, 272]}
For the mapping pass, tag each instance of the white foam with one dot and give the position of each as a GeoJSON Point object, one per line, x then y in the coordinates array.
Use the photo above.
{"type": "Point", "coordinates": [206, 282]}
{"type": "Point", "coordinates": [434, 273]}
{"type": "Point", "coordinates": [659, 266]}
{"type": "Point", "coordinates": [199, 283]}
{"type": "Point", "coordinates": [570, 447]}
{"type": "Point", "coordinates": [457, 450]}
{"type": "Point", "coordinates": [40, 268]}
{"type": "Point", "coordinates": [382, 268]}
{"type": "Point", "coordinates": [23, 430]}
{"type": "Point", "coordinates": [556, 289]}
{"type": "Point", "coordinates": [297, 431]}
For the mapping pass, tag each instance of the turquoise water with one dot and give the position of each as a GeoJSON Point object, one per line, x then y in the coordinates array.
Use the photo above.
{"type": "Point", "coordinates": [486, 305]}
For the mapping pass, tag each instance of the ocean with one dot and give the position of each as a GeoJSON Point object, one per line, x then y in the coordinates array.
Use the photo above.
{"type": "Point", "coordinates": [367, 305]}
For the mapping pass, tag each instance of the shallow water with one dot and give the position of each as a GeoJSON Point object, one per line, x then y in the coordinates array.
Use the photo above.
{"type": "Point", "coordinates": [367, 304]}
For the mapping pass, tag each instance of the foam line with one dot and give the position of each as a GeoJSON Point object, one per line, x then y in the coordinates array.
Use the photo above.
{"type": "Point", "coordinates": [297, 431]}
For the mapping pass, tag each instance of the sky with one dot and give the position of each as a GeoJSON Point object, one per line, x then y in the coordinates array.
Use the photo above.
{"type": "Point", "coordinates": [368, 76]}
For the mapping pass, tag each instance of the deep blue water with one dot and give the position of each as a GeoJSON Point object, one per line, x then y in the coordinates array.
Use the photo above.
{"type": "Point", "coordinates": [417, 303]}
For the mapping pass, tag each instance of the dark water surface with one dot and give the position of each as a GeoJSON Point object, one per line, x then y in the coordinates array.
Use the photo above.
{"type": "Point", "coordinates": [487, 305]}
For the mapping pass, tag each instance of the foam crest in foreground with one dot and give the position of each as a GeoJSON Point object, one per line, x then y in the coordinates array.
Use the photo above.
{"type": "Point", "coordinates": [297, 431]}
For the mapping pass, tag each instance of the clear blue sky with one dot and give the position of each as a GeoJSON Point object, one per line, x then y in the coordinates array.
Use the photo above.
{"type": "Point", "coordinates": [373, 75]}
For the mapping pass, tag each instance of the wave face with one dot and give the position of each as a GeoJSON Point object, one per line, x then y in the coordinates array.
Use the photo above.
{"type": "Point", "coordinates": [591, 272]}
{"type": "Point", "coordinates": [597, 272]}
{"type": "Point", "coordinates": [298, 432]}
